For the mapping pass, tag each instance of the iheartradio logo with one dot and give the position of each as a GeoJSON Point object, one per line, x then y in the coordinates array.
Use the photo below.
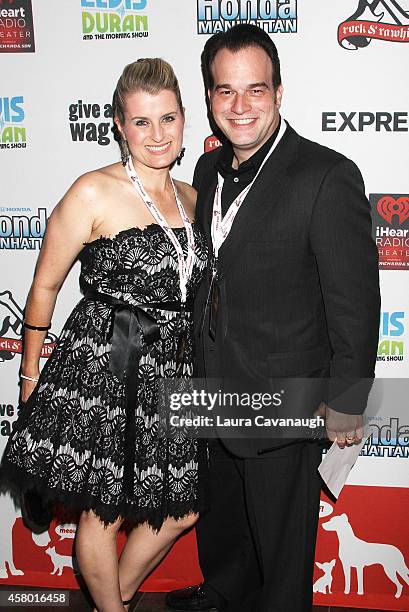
{"type": "Point", "coordinates": [390, 229]}
{"type": "Point", "coordinates": [391, 208]}
{"type": "Point", "coordinates": [211, 143]}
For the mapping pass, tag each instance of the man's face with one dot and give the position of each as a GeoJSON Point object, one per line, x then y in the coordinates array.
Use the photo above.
{"type": "Point", "coordinates": [243, 101]}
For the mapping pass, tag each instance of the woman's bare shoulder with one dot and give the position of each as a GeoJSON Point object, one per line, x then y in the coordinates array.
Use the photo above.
{"type": "Point", "coordinates": [188, 195]}
{"type": "Point", "coordinates": [96, 181]}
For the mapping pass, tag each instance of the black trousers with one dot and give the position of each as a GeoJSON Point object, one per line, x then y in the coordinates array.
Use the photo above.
{"type": "Point", "coordinates": [257, 542]}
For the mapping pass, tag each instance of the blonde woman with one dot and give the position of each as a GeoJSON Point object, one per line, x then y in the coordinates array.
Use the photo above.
{"type": "Point", "coordinates": [87, 435]}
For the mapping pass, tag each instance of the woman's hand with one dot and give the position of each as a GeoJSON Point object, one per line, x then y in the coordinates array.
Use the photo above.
{"type": "Point", "coordinates": [27, 387]}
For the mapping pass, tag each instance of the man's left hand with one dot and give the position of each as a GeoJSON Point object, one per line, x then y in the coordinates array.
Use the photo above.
{"type": "Point", "coordinates": [345, 429]}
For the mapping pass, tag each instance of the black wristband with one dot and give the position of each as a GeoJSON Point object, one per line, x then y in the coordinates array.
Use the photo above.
{"type": "Point", "coordinates": [37, 327]}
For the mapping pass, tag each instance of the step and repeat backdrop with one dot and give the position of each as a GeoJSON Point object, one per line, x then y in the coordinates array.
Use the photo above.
{"type": "Point", "coordinates": [346, 86]}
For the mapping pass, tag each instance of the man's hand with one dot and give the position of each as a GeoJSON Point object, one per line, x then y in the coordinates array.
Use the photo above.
{"type": "Point", "coordinates": [345, 429]}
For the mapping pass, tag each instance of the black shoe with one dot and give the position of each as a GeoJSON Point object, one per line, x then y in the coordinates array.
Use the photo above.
{"type": "Point", "coordinates": [191, 599]}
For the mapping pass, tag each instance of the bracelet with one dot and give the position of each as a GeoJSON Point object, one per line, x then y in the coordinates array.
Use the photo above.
{"type": "Point", "coordinates": [37, 327]}
{"type": "Point", "coordinates": [29, 378]}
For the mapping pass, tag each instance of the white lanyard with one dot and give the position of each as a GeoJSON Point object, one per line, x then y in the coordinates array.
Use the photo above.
{"type": "Point", "coordinates": [221, 226]}
{"type": "Point", "coordinates": [185, 266]}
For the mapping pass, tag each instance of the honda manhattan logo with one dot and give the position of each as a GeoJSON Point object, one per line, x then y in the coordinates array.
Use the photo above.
{"type": "Point", "coordinates": [382, 19]}
{"type": "Point", "coordinates": [273, 16]}
{"type": "Point", "coordinates": [11, 326]}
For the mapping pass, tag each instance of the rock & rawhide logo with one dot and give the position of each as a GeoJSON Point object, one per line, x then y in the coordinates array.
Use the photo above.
{"type": "Point", "coordinates": [381, 19]}
{"type": "Point", "coordinates": [16, 27]}
{"type": "Point", "coordinates": [211, 143]}
{"type": "Point", "coordinates": [273, 16]}
{"type": "Point", "coordinates": [11, 327]}
{"type": "Point", "coordinates": [390, 226]}
{"type": "Point", "coordinates": [114, 19]}
{"type": "Point", "coordinates": [20, 229]}
{"type": "Point", "coordinates": [12, 115]}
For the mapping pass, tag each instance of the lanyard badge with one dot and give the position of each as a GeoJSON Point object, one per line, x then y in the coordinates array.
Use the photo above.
{"type": "Point", "coordinates": [185, 266]}
{"type": "Point", "coordinates": [221, 227]}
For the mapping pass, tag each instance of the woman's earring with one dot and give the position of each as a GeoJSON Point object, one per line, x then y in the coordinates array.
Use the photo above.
{"type": "Point", "coordinates": [125, 153]}
{"type": "Point", "coordinates": [180, 156]}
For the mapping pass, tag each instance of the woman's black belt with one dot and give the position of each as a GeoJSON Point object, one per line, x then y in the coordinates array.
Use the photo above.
{"type": "Point", "coordinates": [132, 326]}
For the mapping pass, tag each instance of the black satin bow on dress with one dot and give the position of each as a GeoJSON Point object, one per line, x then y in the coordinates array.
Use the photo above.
{"type": "Point", "coordinates": [132, 327]}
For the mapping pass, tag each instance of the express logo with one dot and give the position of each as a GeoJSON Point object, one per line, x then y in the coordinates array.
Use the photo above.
{"type": "Point", "coordinates": [113, 19]}
{"type": "Point", "coordinates": [391, 347]}
{"type": "Point", "coordinates": [273, 16]}
{"type": "Point", "coordinates": [16, 26]}
{"type": "Point", "coordinates": [11, 326]}
{"type": "Point", "coordinates": [365, 121]}
{"type": "Point", "coordinates": [382, 19]}
{"type": "Point", "coordinates": [390, 217]}
{"type": "Point", "coordinates": [12, 115]}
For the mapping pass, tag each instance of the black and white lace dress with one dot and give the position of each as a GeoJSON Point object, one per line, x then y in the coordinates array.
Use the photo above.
{"type": "Point", "coordinates": [78, 440]}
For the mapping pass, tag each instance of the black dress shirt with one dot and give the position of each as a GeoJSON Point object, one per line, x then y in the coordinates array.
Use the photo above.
{"type": "Point", "coordinates": [236, 180]}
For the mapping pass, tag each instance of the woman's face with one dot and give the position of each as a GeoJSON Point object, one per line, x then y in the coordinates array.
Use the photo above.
{"type": "Point", "coordinates": [153, 127]}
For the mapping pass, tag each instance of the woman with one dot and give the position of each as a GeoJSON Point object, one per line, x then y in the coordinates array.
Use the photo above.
{"type": "Point", "coordinates": [88, 435]}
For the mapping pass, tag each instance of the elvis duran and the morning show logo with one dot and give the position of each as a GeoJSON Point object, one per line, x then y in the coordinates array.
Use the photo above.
{"type": "Point", "coordinates": [390, 217]}
{"type": "Point", "coordinates": [90, 122]}
{"type": "Point", "coordinates": [382, 19]}
{"type": "Point", "coordinates": [12, 115]}
{"type": "Point", "coordinates": [11, 327]}
{"type": "Point", "coordinates": [16, 26]}
{"type": "Point", "coordinates": [114, 19]}
{"type": "Point", "coordinates": [20, 229]}
{"type": "Point", "coordinates": [392, 327]}
{"type": "Point", "coordinates": [273, 16]}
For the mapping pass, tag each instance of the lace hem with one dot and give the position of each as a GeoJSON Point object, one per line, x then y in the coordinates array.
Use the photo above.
{"type": "Point", "coordinates": [12, 477]}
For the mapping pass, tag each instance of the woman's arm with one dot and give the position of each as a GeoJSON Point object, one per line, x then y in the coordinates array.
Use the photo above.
{"type": "Point", "coordinates": [69, 226]}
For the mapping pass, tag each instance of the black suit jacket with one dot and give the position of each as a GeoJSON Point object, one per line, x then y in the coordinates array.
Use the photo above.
{"type": "Point", "coordinates": [298, 275]}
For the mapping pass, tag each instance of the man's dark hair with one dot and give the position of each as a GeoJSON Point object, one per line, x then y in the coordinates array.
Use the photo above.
{"type": "Point", "coordinates": [237, 38]}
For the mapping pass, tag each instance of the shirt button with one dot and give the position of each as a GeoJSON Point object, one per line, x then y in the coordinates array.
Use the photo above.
{"type": "Point", "coordinates": [236, 179]}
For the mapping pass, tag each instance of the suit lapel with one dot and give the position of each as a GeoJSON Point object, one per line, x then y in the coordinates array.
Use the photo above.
{"type": "Point", "coordinates": [266, 193]}
{"type": "Point", "coordinates": [205, 202]}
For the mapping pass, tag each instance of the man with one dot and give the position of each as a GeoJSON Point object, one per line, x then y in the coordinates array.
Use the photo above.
{"type": "Point", "coordinates": [292, 292]}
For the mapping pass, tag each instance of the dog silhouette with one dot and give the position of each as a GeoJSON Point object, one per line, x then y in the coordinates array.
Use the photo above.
{"type": "Point", "coordinates": [354, 552]}
{"type": "Point", "coordinates": [324, 582]}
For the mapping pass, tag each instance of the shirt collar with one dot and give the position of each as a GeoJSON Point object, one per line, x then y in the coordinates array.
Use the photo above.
{"type": "Point", "coordinates": [253, 163]}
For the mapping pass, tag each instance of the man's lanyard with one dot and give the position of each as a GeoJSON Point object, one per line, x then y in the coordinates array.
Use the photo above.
{"type": "Point", "coordinates": [185, 266]}
{"type": "Point", "coordinates": [221, 226]}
